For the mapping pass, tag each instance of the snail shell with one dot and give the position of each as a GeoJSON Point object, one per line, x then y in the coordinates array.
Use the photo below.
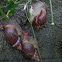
{"type": "Point", "coordinates": [38, 16]}
{"type": "Point", "coordinates": [27, 49]}
{"type": "Point", "coordinates": [12, 37]}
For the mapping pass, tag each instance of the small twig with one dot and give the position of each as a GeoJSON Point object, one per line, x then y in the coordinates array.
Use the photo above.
{"type": "Point", "coordinates": [3, 6]}
{"type": "Point", "coordinates": [21, 4]}
{"type": "Point", "coordinates": [8, 12]}
{"type": "Point", "coordinates": [1, 18]}
{"type": "Point", "coordinates": [3, 14]}
{"type": "Point", "coordinates": [18, 2]}
{"type": "Point", "coordinates": [28, 17]}
{"type": "Point", "coordinates": [28, 1]}
{"type": "Point", "coordinates": [55, 49]}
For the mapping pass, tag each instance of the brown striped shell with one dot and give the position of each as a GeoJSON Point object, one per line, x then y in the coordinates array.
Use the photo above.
{"type": "Point", "coordinates": [12, 37]}
{"type": "Point", "coordinates": [28, 48]}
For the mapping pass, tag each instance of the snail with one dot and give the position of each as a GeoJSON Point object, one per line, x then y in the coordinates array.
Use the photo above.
{"type": "Point", "coordinates": [28, 49]}
{"type": "Point", "coordinates": [13, 33]}
{"type": "Point", "coordinates": [38, 14]}
{"type": "Point", "coordinates": [12, 37]}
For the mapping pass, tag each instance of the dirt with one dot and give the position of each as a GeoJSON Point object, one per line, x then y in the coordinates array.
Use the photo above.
{"type": "Point", "coordinates": [49, 52]}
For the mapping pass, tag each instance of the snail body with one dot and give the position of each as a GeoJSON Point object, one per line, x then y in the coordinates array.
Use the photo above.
{"type": "Point", "coordinates": [30, 39]}
{"type": "Point", "coordinates": [38, 16]}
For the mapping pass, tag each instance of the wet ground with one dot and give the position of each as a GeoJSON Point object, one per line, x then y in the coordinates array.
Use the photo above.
{"type": "Point", "coordinates": [44, 36]}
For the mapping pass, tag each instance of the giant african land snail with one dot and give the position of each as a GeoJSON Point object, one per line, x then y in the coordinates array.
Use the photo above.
{"type": "Point", "coordinates": [28, 49]}
{"type": "Point", "coordinates": [38, 14]}
{"type": "Point", "coordinates": [12, 37]}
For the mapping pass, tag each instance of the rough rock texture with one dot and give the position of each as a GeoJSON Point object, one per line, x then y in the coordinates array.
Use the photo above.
{"type": "Point", "coordinates": [44, 36]}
